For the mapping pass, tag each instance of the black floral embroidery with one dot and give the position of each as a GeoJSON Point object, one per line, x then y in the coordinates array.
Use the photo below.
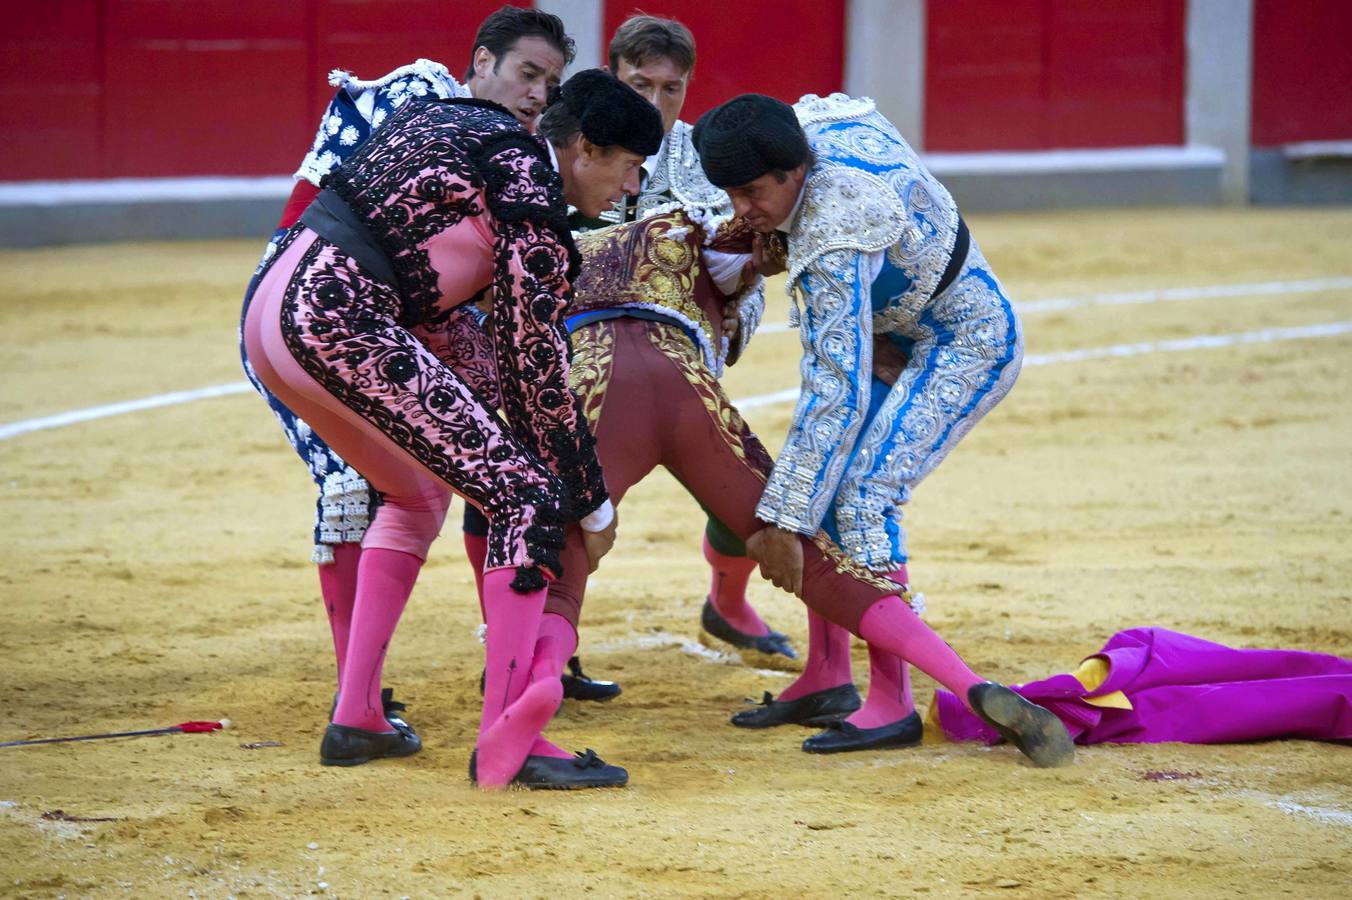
{"type": "Point", "coordinates": [401, 358]}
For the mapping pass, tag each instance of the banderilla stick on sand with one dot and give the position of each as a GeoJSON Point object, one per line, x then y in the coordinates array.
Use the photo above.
{"type": "Point", "coordinates": [180, 728]}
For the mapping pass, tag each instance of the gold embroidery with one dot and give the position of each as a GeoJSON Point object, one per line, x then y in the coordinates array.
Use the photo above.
{"type": "Point", "coordinates": [593, 359]}
{"type": "Point", "coordinates": [653, 263]}
{"type": "Point", "coordinates": [674, 344]}
{"type": "Point", "coordinates": [846, 565]}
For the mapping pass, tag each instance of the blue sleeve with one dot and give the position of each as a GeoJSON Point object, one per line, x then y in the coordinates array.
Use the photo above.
{"type": "Point", "coordinates": [837, 334]}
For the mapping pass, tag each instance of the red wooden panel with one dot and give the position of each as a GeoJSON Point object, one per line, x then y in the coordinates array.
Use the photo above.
{"type": "Point", "coordinates": [50, 90]}
{"type": "Point", "coordinates": [1302, 71]}
{"type": "Point", "coordinates": [1039, 74]}
{"type": "Point", "coordinates": [984, 74]}
{"type": "Point", "coordinates": [209, 87]}
{"type": "Point", "coordinates": [372, 37]}
{"type": "Point", "coordinates": [784, 48]}
{"type": "Point", "coordinates": [1115, 73]}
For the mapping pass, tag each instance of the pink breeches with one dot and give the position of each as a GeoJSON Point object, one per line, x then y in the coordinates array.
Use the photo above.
{"type": "Point", "coordinates": [323, 337]}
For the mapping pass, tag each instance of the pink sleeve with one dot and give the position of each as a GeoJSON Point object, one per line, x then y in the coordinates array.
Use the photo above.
{"type": "Point", "coordinates": [535, 261]}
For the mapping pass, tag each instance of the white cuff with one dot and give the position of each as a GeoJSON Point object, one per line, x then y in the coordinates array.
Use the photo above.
{"type": "Point", "coordinates": [600, 518]}
{"type": "Point", "coordinates": [725, 269]}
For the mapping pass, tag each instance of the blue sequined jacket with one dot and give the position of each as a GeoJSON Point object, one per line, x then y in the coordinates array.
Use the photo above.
{"type": "Point", "coordinates": [872, 236]}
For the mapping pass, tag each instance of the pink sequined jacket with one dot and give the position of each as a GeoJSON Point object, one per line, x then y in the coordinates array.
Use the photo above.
{"type": "Point", "coordinates": [465, 205]}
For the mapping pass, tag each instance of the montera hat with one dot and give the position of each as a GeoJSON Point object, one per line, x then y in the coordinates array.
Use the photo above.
{"type": "Point", "coordinates": [748, 136]}
{"type": "Point", "coordinates": [610, 112]}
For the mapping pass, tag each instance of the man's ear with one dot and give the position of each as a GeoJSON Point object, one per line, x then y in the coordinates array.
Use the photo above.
{"type": "Point", "coordinates": [483, 62]}
{"type": "Point", "coordinates": [587, 150]}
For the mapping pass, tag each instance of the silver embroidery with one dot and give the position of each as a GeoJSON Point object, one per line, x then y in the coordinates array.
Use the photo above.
{"type": "Point", "coordinates": [345, 504]}
{"type": "Point", "coordinates": [843, 209]}
{"type": "Point", "coordinates": [869, 192]}
{"type": "Point", "coordinates": [918, 426]}
{"type": "Point", "coordinates": [750, 308]}
{"type": "Point", "coordinates": [913, 216]}
{"type": "Point", "coordinates": [677, 175]}
{"type": "Point", "coordinates": [830, 409]}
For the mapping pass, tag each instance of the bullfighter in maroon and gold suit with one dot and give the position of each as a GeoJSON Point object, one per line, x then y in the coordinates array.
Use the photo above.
{"type": "Point", "coordinates": [645, 358]}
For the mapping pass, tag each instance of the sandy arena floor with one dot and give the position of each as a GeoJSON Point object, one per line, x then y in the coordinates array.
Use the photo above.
{"type": "Point", "coordinates": [155, 569]}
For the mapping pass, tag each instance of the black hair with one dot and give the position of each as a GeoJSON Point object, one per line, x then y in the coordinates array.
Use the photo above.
{"type": "Point", "coordinates": [749, 136]}
{"type": "Point", "coordinates": [500, 31]}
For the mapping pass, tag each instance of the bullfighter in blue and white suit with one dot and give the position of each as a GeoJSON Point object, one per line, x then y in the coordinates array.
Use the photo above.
{"type": "Point", "coordinates": [908, 340]}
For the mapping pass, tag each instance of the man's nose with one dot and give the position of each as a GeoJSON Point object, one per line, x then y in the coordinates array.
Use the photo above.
{"type": "Point", "coordinates": [741, 206]}
{"type": "Point", "coordinates": [631, 183]}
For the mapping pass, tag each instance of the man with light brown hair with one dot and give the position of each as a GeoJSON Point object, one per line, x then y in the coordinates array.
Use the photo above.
{"type": "Point", "coordinates": [656, 57]}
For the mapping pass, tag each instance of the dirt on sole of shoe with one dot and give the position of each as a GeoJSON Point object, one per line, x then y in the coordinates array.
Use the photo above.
{"type": "Point", "coordinates": [1037, 732]}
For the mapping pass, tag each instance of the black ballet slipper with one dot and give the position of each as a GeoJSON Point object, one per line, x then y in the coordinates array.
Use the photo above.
{"type": "Point", "coordinates": [577, 686]}
{"type": "Point", "coordinates": [551, 773]}
{"type": "Point", "coordinates": [772, 644]}
{"type": "Point", "coordinates": [344, 746]}
{"type": "Point", "coordinates": [844, 737]}
{"type": "Point", "coordinates": [817, 709]}
{"type": "Point", "coordinates": [393, 709]}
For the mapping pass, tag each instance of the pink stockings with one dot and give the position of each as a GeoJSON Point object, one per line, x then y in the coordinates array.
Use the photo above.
{"type": "Point", "coordinates": [556, 641]}
{"type": "Point", "coordinates": [338, 585]}
{"type": "Point", "coordinates": [889, 683]}
{"type": "Point", "coordinates": [384, 581]}
{"type": "Point", "coordinates": [522, 690]}
{"type": "Point", "coordinates": [476, 548]}
{"type": "Point", "coordinates": [891, 625]}
{"type": "Point", "coordinates": [828, 659]}
{"type": "Point", "coordinates": [895, 635]}
{"type": "Point", "coordinates": [728, 590]}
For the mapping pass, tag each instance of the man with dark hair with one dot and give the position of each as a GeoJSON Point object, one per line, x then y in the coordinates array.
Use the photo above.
{"type": "Point", "coordinates": [501, 32]}
{"type": "Point", "coordinates": [656, 58]}
{"type": "Point", "coordinates": [876, 248]}
{"type": "Point", "coordinates": [517, 58]}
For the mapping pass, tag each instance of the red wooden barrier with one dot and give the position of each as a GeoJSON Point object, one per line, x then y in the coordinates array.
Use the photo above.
{"type": "Point", "coordinates": [1039, 74]}
{"type": "Point", "coordinates": [1302, 71]}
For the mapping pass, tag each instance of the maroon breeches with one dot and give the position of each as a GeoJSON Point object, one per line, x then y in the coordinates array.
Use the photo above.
{"type": "Point", "coordinates": [650, 402]}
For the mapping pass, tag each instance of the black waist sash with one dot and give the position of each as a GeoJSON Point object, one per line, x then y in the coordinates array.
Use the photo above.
{"type": "Point", "coordinates": [331, 218]}
{"type": "Point", "coordinates": [961, 244]}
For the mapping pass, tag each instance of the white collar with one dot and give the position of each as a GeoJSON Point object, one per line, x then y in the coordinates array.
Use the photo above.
{"type": "Point", "coordinates": [554, 161]}
{"type": "Point", "coordinates": [650, 164]}
{"type": "Point", "coordinates": [787, 225]}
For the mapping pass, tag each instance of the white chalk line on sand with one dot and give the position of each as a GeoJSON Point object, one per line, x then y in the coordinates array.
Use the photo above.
{"type": "Point", "coordinates": [1198, 342]}
{"type": "Point", "coordinates": [1320, 814]}
{"type": "Point", "coordinates": [655, 639]}
{"type": "Point", "coordinates": [1164, 295]}
{"type": "Point", "coordinates": [116, 409]}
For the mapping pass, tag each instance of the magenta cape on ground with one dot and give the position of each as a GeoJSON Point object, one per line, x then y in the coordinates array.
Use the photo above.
{"type": "Point", "coordinates": [1183, 688]}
